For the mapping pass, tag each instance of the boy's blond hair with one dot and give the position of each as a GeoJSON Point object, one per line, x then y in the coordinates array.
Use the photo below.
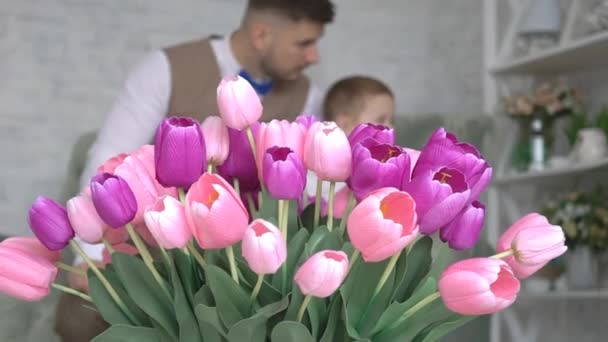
{"type": "Point", "coordinates": [347, 96]}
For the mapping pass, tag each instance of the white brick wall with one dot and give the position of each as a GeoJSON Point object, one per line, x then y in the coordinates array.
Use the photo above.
{"type": "Point", "coordinates": [63, 62]}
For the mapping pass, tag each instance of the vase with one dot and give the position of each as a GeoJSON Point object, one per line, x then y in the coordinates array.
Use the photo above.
{"type": "Point", "coordinates": [582, 269]}
{"type": "Point", "coordinates": [590, 145]}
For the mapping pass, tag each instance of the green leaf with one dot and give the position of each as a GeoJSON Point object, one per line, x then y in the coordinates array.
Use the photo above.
{"type": "Point", "coordinates": [437, 330]}
{"type": "Point", "coordinates": [105, 304]}
{"type": "Point", "coordinates": [188, 325]}
{"type": "Point", "coordinates": [317, 315]}
{"type": "Point", "coordinates": [145, 291]}
{"type": "Point", "coordinates": [233, 302]}
{"type": "Point", "coordinates": [322, 239]}
{"type": "Point", "coordinates": [419, 262]}
{"type": "Point", "coordinates": [295, 248]}
{"type": "Point", "coordinates": [288, 331]}
{"type": "Point", "coordinates": [335, 310]}
{"type": "Point", "coordinates": [250, 329]}
{"type": "Point", "coordinates": [125, 333]}
{"type": "Point", "coordinates": [187, 269]}
{"type": "Point", "coordinates": [204, 296]}
{"type": "Point", "coordinates": [307, 218]}
{"type": "Point", "coordinates": [209, 321]}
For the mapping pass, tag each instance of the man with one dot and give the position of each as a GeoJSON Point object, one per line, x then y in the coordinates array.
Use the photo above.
{"type": "Point", "coordinates": [275, 43]}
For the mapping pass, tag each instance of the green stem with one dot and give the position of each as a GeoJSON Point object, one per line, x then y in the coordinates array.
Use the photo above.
{"type": "Point", "coordinates": [209, 168]}
{"type": "Point", "coordinates": [503, 254]}
{"type": "Point", "coordinates": [318, 203]}
{"type": "Point", "coordinates": [232, 261]}
{"type": "Point", "coordinates": [280, 214]}
{"type": "Point", "coordinates": [182, 195]}
{"type": "Point", "coordinates": [252, 143]}
{"type": "Point", "coordinates": [285, 219]}
{"type": "Point", "coordinates": [387, 272]}
{"type": "Point", "coordinates": [303, 307]}
{"type": "Point", "coordinates": [199, 258]}
{"type": "Point", "coordinates": [251, 205]}
{"type": "Point", "coordinates": [349, 207]}
{"type": "Point", "coordinates": [258, 286]}
{"type": "Point", "coordinates": [237, 186]}
{"type": "Point", "coordinates": [353, 258]}
{"type": "Point", "coordinates": [411, 311]}
{"type": "Point", "coordinates": [330, 206]}
{"type": "Point", "coordinates": [105, 282]}
{"type": "Point", "coordinates": [72, 269]}
{"type": "Point", "coordinates": [147, 257]}
{"type": "Point", "coordinates": [108, 246]}
{"type": "Point", "coordinates": [72, 292]}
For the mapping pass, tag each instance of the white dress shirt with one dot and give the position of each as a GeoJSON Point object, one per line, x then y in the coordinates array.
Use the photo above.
{"type": "Point", "coordinates": [143, 104]}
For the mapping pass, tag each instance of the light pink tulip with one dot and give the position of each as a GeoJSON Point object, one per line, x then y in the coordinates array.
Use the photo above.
{"type": "Point", "coordinates": [215, 213]}
{"type": "Point", "coordinates": [383, 224]}
{"type": "Point", "coordinates": [215, 133]}
{"type": "Point", "coordinates": [239, 104]}
{"type": "Point", "coordinates": [25, 276]}
{"type": "Point", "coordinates": [264, 247]}
{"type": "Point", "coordinates": [31, 245]}
{"type": "Point", "coordinates": [141, 182]}
{"type": "Point", "coordinates": [145, 154]}
{"type": "Point", "coordinates": [341, 201]}
{"type": "Point", "coordinates": [534, 242]}
{"type": "Point", "coordinates": [327, 152]}
{"type": "Point", "coordinates": [478, 286]}
{"type": "Point", "coordinates": [110, 165]}
{"type": "Point", "coordinates": [281, 133]}
{"type": "Point", "coordinates": [322, 274]}
{"type": "Point", "coordinates": [166, 221]}
{"type": "Point", "coordinates": [87, 224]}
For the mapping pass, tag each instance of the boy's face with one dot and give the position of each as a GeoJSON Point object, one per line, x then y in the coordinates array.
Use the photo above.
{"type": "Point", "coordinates": [376, 109]}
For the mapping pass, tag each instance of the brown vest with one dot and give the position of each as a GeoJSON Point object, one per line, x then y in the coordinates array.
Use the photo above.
{"type": "Point", "coordinates": [195, 75]}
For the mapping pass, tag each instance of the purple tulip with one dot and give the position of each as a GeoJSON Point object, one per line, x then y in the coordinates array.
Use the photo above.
{"type": "Point", "coordinates": [380, 133]}
{"type": "Point", "coordinates": [306, 120]}
{"type": "Point", "coordinates": [113, 199]}
{"type": "Point", "coordinates": [444, 150]}
{"type": "Point", "coordinates": [49, 222]}
{"type": "Point", "coordinates": [240, 163]}
{"type": "Point", "coordinates": [464, 230]}
{"type": "Point", "coordinates": [439, 197]}
{"type": "Point", "coordinates": [284, 173]}
{"type": "Point", "coordinates": [179, 152]}
{"type": "Point", "coordinates": [377, 165]}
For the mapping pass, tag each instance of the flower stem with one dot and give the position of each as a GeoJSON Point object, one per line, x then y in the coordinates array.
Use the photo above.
{"type": "Point", "coordinates": [70, 268]}
{"type": "Point", "coordinates": [411, 311]}
{"type": "Point", "coordinates": [503, 254]}
{"type": "Point", "coordinates": [182, 195]}
{"type": "Point", "coordinates": [251, 204]}
{"type": "Point", "coordinates": [72, 292]}
{"type": "Point", "coordinates": [232, 261]}
{"type": "Point", "coordinates": [353, 258]}
{"type": "Point", "coordinates": [258, 286]}
{"type": "Point", "coordinates": [280, 214]}
{"type": "Point", "coordinates": [252, 143]}
{"type": "Point", "coordinates": [108, 246]}
{"type": "Point", "coordinates": [105, 282]}
{"type": "Point", "coordinates": [285, 219]}
{"type": "Point", "coordinates": [237, 186]}
{"type": "Point", "coordinates": [330, 207]}
{"type": "Point", "coordinates": [209, 168]}
{"type": "Point", "coordinates": [349, 207]}
{"type": "Point", "coordinates": [318, 202]}
{"type": "Point", "coordinates": [303, 307]}
{"type": "Point", "coordinates": [199, 258]}
{"type": "Point", "coordinates": [145, 254]}
{"type": "Point", "coordinates": [387, 272]}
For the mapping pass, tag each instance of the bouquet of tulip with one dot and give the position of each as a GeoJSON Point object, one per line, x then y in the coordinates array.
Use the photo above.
{"type": "Point", "coordinates": [202, 242]}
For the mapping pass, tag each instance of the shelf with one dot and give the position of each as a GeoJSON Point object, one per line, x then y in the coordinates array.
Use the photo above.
{"type": "Point", "coordinates": [576, 168]}
{"type": "Point", "coordinates": [573, 294]}
{"type": "Point", "coordinates": [580, 54]}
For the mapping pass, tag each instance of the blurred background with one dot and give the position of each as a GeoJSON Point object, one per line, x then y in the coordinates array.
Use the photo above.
{"type": "Point", "coordinates": [488, 70]}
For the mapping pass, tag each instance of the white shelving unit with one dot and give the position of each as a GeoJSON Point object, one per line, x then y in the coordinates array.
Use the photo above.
{"type": "Point", "coordinates": [572, 54]}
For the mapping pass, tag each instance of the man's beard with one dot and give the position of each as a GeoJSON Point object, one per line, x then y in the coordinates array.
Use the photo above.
{"type": "Point", "coordinates": [273, 74]}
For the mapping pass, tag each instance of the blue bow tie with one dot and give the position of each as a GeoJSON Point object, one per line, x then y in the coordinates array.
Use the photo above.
{"type": "Point", "coordinates": [262, 88]}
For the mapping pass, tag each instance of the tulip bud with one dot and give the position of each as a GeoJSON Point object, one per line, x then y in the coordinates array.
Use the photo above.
{"type": "Point", "coordinates": [279, 133]}
{"type": "Point", "coordinates": [179, 152]}
{"type": "Point", "coordinates": [284, 173]}
{"type": "Point", "coordinates": [327, 152]}
{"type": "Point", "coordinates": [216, 139]}
{"type": "Point", "coordinates": [166, 221]}
{"type": "Point", "coordinates": [463, 232]}
{"type": "Point", "coordinates": [380, 133]}
{"type": "Point", "coordinates": [113, 199]}
{"type": "Point", "coordinates": [85, 220]}
{"type": "Point", "coordinates": [239, 104]}
{"type": "Point", "coordinates": [25, 276]}
{"type": "Point", "coordinates": [322, 274]}
{"type": "Point", "coordinates": [240, 163]}
{"type": "Point", "coordinates": [49, 222]}
{"type": "Point", "coordinates": [263, 247]}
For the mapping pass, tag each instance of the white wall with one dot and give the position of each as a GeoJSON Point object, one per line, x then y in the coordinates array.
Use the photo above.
{"type": "Point", "coordinates": [63, 62]}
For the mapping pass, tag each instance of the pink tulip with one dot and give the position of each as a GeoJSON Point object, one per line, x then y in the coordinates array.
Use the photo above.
{"type": "Point", "coordinates": [31, 245]}
{"type": "Point", "coordinates": [279, 133]}
{"type": "Point", "coordinates": [215, 133]}
{"type": "Point", "coordinates": [306, 120]}
{"type": "Point", "coordinates": [383, 224]}
{"type": "Point", "coordinates": [264, 248]}
{"type": "Point", "coordinates": [215, 213]}
{"type": "Point", "coordinates": [25, 276]}
{"type": "Point", "coordinates": [534, 242]}
{"type": "Point", "coordinates": [341, 201]}
{"type": "Point", "coordinates": [110, 165]}
{"type": "Point", "coordinates": [239, 104]}
{"type": "Point", "coordinates": [145, 154]}
{"type": "Point", "coordinates": [478, 286]}
{"type": "Point", "coordinates": [166, 221]}
{"type": "Point", "coordinates": [327, 152]}
{"type": "Point", "coordinates": [322, 274]}
{"type": "Point", "coordinates": [87, 224]}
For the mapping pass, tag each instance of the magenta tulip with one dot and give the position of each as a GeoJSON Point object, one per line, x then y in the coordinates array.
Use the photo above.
{"type": "Point", "coordinates": [478, 286]}
{"type": "Point", "coordinates": [25, 276]}
{"type": "Point", "coordinates": [49, 222]}
{"type": "Point", "coordinates": [179, 152]}
{"type": "Point", "coordinates": [113, 199]}
{"type": "Point", "coordinates": [383, 224]}
{"type": "Point", "coordinates": [284, 173]}
{"type": "Point", "coordinates": [322, 274]}
{"type": "Point", "coordinates": [279, 133]}
{"type": "Point", "coordinates": [380, 133]}
{"type": "Point", "coordinates": [263, 247]}
{"type": "Point", "coordinates": [327, 152]}
{"type": "Point", "coordinates": [464, 231]}
{"type": "Point", "coordinates": [306, 121]}
{"type": "Point", "coordinates": [240, 164]}
{"type": "Point", "coordinates": [217, 143]}
{"type": "Point", "coordinates": [166, 221]}
{"type": "Point", "coordinates": [238, 102]}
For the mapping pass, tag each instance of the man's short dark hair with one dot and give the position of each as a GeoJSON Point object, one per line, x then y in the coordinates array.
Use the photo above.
{"type": "Point", "coordinates": [320, 11]}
